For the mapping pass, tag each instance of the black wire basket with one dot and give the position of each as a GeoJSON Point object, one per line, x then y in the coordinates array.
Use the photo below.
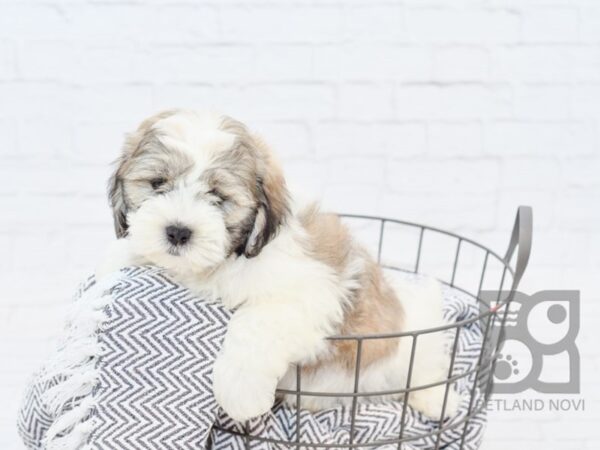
{"type": "Point", "coordinates": [500, 275]}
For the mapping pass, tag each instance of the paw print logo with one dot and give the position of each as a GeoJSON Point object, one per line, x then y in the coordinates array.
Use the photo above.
{"type": "Point", "coordinates": [537, 343]}
{"type": "Point", "coordinates": [506, 366]}
{"type": "Point", "coordinates": [514, 363]}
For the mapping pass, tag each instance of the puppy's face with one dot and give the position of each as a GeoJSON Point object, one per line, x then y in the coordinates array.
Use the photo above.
{"type": "Point", "coordinates": [191, 190]}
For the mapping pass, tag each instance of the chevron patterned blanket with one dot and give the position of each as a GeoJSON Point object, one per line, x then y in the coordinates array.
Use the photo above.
{"type": "Point", "coordinates": [134, 372]}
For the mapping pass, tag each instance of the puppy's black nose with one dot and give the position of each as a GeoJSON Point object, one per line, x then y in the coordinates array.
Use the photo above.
{"type": "Point", "coordinates": [178, 235]}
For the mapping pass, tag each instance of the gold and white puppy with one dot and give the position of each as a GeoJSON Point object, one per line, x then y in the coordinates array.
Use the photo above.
{"type": "Point", "coordinates": [201, 196]}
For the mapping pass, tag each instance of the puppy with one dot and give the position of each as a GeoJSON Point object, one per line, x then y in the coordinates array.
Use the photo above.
{"type": "Point", "coordinates": [201, 196]}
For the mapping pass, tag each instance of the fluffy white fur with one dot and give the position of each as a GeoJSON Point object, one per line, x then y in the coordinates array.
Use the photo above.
{"type": "Point", "coordinates": [287, 301]}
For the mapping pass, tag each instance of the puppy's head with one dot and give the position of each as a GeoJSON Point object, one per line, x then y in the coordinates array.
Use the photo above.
{"type": "Point", "coordinates": [191, 189]}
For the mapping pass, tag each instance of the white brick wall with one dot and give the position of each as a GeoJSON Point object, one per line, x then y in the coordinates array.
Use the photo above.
{"type": "Point", "coordinates": [449, 113]}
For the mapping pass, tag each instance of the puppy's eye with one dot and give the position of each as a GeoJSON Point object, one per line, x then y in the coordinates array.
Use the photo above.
{"type": "Point", "coordinates": [156, 183]}
{"type": "Point", "coordinates": [218, 197]}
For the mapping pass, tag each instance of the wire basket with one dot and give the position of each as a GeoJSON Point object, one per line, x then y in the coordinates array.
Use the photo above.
{"type": "Point", "coordinates": [492, 318]}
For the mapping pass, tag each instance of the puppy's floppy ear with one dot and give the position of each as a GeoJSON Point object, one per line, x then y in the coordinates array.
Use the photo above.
{"type": "Point", "coordinates": [116, 191]}
{"type": "Point", "coordinates": [116, 197]}
{"type": "Point", "coordinates": [272, 202]}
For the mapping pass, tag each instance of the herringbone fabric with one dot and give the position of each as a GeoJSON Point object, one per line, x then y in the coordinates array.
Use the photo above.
{"type": "Point", "coordinates": [155, 389]}
{"type": "Point", "coordinates": [148, 385]}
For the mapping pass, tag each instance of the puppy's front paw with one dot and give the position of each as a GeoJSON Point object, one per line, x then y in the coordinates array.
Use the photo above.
{"type": "Point", "coordinates": [242, 392]}
{"type": "Point", "coordinates": [430, 401]}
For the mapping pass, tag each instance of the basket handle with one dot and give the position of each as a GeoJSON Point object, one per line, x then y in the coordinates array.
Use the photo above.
{"type": "Point", "coordinates": [521, 236]}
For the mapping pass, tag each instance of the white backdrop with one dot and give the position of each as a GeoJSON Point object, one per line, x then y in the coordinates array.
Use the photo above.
{"type": "Point", "coordinates": [445, 112]}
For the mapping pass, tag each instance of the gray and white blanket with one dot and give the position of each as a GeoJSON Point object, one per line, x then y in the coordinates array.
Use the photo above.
{"type": "Point", "coordinates": [134, 372]}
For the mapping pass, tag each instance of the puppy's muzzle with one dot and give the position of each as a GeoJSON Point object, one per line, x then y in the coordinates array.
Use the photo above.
{"type": "Point", "coordinates": [178, 235]}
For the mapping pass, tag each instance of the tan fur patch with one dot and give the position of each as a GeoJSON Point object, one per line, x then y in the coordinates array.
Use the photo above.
{"type": "Point", "coordinates": [374, 306]}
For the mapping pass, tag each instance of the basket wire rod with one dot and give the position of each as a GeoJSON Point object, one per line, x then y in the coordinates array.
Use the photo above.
{"type": "Point", "coordinates": [298, 402]}
{"type": "Point", "coordinates": [246, 435]}
{"type": "Point", "coordinates": [407, 386]}
{"type": "Point", "coordinates": [446, 326]}
{"type": "Point", "coordinates": [506, 306]}
{"type": "Point", "coordinates": [483, 269]}
{"type": "Point", "coordinates": [378, 393]}
{"type": "Point", "coordinates": [380, 244]}
{"type": "Point", "coordinates": [476, 378]}
{"type": "Point", "coordinates": [448, 384]}
{"type": "Point", "coordinates": [418, 261]}
{"type": "Point", "coordinates": [455, 261]}
{"type": "Point", "coordinates": [501, 285]}
{"type": "Point", "coordinates": [359, 343]}
{"type": "Point", "coordinates": [520, 237]}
